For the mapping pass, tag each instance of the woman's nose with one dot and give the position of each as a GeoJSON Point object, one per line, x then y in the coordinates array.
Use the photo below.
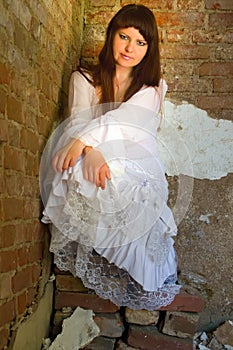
{"type": "Point", "coordinates": [129, 47]}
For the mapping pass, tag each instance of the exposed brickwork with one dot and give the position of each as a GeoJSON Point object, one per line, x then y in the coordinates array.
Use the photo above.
{"type": "Point", "coordinates": [193, 33]}
{"type": "Point", "coordinates": [148, 338]}
{"type": "Point", "coordinates": [84, 300]}
{"type": "Point", "coordinates": [39, 46]}
{"type": "Point", "coordinates": [172, 327]}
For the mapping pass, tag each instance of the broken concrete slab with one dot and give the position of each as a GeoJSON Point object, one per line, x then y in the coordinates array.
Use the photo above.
{"type": "Point", "coordinates": [77, 331]}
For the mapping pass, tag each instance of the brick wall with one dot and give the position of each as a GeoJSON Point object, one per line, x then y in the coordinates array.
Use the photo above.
{"type": "Point", "coordinates": [196, 47]}
{"type": "Point", "coordinates": [39, 45]}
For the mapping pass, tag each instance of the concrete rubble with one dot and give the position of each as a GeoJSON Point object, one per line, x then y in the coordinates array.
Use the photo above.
{"type": "Point", "coordinates": [220, 339]}
{"type": "Point", "coordinates": [78, 330]}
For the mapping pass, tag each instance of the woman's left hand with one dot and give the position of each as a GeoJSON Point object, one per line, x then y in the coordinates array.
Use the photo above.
{"type": "Point", "coordinates": [95, 168]}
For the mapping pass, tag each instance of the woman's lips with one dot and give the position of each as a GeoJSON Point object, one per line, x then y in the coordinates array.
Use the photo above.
{"type": "Point", "coordinates": [125, 57]}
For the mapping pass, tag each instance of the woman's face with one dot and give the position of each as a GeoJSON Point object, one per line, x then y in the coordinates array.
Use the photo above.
{"type": "Point", "coordinates": [129, 47]}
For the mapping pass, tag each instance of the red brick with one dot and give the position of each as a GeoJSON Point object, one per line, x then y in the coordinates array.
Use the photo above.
{"type": "Point", "coordinates": [180, 19]}
{"type": "Point", "coordinates": [14, 110]}
{"type": "Point", "coordinates": [101, 343]}
{"type": "Point", "coordinates": [123, 346]}
{"type": "Point", "coordinates": [31, 187]}
{"type": "Point", "coordinates": [86, 301]}
{"type": "Point", "coordinates": [216, 69]}
{"type": "Point", "coordinates": [31, 164]}
{"type": "Point", "coordinates": [4, 74]}
{"type": "Point", "coordinates": [35, 252]}
{"type": "Point", "coordinates": [156, 4]}
{"type": "Point", "coordinates": [91, 50]}
{"type": "Point", "coordinates": [189, 5]}
{"type": "Point", "coordinates": [14, 184]}
{"type": "Point", "coordinates": [43, 105]}
{"type": "Point", "coordinates": [30, 209]}
{"type": "Point", "coordinates": [8, 261]}
{"type": "Point", "coordinates": [224, 20]}
{"type": "Point", "coordinates": [69, 283]}
{"type": "Point", "coordinates": [216, 36]}
{"type": "Point", "coordinates": [13, 158]}
{"type": "Point", "coordinates": [31, 294]}
{"type": "Point", "coordinates": [178, 35]}
{"type": "Point", "coordinates": [44, 126]}
{"type": "Point", "coordinates": [3, 130]}
{"type": "Point", "coordinates": [5, 286]}
{"type": "Point", "coordinates": [100, 3]}
{"type": "Point", "coordinates": [14, 135]}
{"type": "Point", "coordinates": [178, 51]}
{"type": "Point", "coordinates": [4, 335]}
{"type": "Point", "coordinates": [149, 338]}
{"type": "Point", "coordinates": [191, 84]}
{"type": "Point", "coordinates": [22, 279]}
{"type": "Point", "coordinates": [29, 140]}
{"type": "Point", "coordinates": [21, 303]}
{"type": "Point", "coordinates": [3, 102]}
{"type": "Point", "coordinates": [99, 17]}
{"type": "Point", "coordinates": [39, 231]}
{"type": "Point", "coordinates": [215, 102]}
{"type": "Point", "coordinates": [7, 236]}
{"type": "Point", "coordinates": [219, 4]}
{"type": "Point", "coordinates": [223, 85]}
{"type": "Point", "coordinates": [22, 256]}
{"type": "Point", "coordinates": [187, 302]}
{"type": "Point", "coordinates": [2, 185]}
{"type": "Point", "coordinates": [110, 325]}
{"type": "Point", "coordinates": [21, 232]}
{"type": "Point", "coordinates": [12, 208]}
{"type": "Point", "coordinates": [181, 324]}
{"type": "Point", "coordinates": [36, 272]}
{"type": "Point", "coordinates": [7, 312]}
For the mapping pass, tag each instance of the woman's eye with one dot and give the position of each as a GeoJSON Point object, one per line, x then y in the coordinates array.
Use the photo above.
{"type": "Point", "coordinates": [141, 43]}
{"type": "Point", "coordinates": [123, 36]}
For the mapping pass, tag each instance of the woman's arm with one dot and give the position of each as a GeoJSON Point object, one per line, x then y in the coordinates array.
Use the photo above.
{"type": "Point", "coordinates": [80, 96]}
{"type": "Point", "coordinates": [132, 120]}
{"type": "Point", "coordinates": [95, 169]}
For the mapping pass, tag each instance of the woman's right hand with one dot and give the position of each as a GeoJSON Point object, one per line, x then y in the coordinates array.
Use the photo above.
{"type": "Point", "coordinates": [68, 155]}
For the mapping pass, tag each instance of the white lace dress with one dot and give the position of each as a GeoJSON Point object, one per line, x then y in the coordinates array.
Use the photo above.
{"type": "Point", "coordinates": [118, 240]}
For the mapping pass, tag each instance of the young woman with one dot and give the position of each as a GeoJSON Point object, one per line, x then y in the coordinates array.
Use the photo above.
{"type": "Point", "coordinates": [106, 195]}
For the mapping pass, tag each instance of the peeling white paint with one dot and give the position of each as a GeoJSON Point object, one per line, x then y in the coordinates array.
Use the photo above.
{"type": "Point", "coordinates": [191, 143]}
{"type": "Point", "coordinates": [205, 218]}
{"type": "Point", "coordinates": [77, 331]}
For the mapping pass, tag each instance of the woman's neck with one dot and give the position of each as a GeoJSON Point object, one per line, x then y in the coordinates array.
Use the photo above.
{"type": "Point", "coordinates": [122, 81]}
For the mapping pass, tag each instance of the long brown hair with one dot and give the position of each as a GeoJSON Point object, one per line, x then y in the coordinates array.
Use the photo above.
{"type": "Point", "coordinates": [147, 72]}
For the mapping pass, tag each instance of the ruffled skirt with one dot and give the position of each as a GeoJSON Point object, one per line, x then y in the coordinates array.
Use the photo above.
{"type": "Point", "coordinates": [118, 241]}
